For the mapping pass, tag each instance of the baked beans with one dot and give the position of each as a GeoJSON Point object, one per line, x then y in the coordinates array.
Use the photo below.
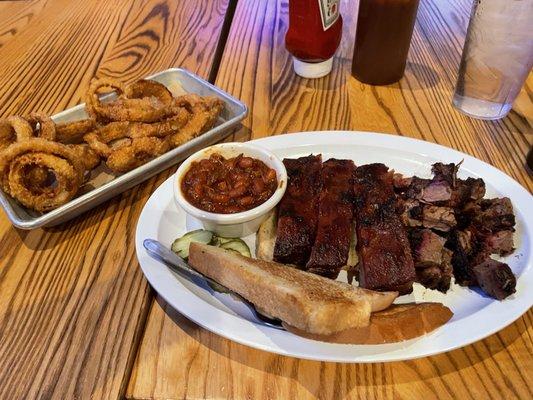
{"type": "Point", "coordinates": [228, 186]}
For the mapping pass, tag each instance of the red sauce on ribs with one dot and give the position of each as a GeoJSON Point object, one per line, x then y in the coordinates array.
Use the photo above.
{"type": "Point", "coordinates": [335, 215]}
{"type": "Point", "coordinates": [385, 256]}
{"type": "Point", "coordinates": [298, 211]}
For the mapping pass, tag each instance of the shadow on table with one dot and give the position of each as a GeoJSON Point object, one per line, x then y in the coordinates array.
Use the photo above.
{"type": "Point", "coordinates": [417, 76]}
{"type": "Point", "coordinates": [420, 76]}
{"type": "Point", "coordinates": [336, 380]}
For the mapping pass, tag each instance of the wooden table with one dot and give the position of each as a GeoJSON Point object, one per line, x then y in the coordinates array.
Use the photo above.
{"type": "Point", "coordinates": [77, 318]}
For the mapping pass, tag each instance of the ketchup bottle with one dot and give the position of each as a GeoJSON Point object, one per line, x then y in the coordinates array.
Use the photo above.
{"type": "Point", "coordinates": [315, 29]}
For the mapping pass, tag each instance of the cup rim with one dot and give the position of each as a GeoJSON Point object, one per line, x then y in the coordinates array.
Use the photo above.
{"type": "Point", "coordinates": [240, 217]}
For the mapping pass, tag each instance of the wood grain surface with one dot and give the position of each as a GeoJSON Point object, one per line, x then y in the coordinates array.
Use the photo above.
{"type": "Point", "coordinates": [177, 359]}
{"type": "Point", "coordinates": [73, 300]}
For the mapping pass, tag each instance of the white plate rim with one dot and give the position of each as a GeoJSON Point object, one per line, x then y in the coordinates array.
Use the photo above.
{"type": "Point", "coordinates": [268, 339]}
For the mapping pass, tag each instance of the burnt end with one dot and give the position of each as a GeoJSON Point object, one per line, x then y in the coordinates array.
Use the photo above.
{"type": "Point", "coordinates": [432, 260]}
{"type": "Point", "coordinates": [400, 182]}
{"type": "Point", "coordinates": [436, 278]}
{"type": "Point", "coordinates": [427, 247]}
{"type": "Point", "coordinates": [439, 218]}
{"type": "Point", "coordinates": [496, 214]}
{"type": "Point", "coordinates": [417, 212]}
{"type": "Point", "coordinates": [476, 188]}
{"type": "Point", "coordinates": [495, 278]}
{"type": "Point", "coordinates": [445, 172]}
{"type": "Point", "coordinates": [416, 187]}
{"type": "Point", "coordinates": [500, 243]}
{"type": "Point", "coordinates": [466, 215]}
{"type": "Point", "coordinates": [459, 261]}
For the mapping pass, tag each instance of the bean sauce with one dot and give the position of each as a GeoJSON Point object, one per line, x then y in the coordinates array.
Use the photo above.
{"type": "Point", "coordinates": [228, 186]}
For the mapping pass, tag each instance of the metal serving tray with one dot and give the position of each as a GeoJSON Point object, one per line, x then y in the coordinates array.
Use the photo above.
{"type": "Point", "coordinates": [102, 185]}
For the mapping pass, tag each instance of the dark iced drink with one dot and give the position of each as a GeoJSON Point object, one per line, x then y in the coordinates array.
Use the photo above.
{"type": "Point", "coordinates": [384, 30]}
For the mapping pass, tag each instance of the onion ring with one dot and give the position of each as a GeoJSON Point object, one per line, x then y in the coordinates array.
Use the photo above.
{"type": "Point", "coordinates": [41, 159]}
{"type": "Point", "coordinates": [145, 109]}
{"type": "Point", "coordinates": [101, 140]}
{"type": "Point", "coordinates": [141, 150]}
{"type": "Point", "coordinates": [148, 88]}
{"type": "Point", "coordinates": [72, 132]}
{"type": "Point", "coordinates": [47, 127]}
{"type": "Point", "coordinates": [14, 129]}
{"type": "Point", "coordinates": [205, 112]}
{"type": "Point", "coordinates": [89, 158]}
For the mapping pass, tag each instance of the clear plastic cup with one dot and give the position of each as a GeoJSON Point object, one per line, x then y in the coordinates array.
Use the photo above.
{"type": "Point", "coordinates": [497, 57]}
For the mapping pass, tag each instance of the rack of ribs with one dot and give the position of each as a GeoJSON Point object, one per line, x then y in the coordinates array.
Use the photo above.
{"type": "Point", "coordinates": [385, 255]}
{"type": "Point", "coordinates": [298, 211]}
{"type": "Point", "coordinates": [335, 215]}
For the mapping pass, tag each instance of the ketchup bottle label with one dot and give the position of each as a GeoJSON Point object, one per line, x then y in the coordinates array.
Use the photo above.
{"type": "Point", "coordinates": [329, 12]}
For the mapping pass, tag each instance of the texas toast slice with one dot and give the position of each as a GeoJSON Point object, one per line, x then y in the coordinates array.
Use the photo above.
{"type": "Point", "coordinates": [306, 301]}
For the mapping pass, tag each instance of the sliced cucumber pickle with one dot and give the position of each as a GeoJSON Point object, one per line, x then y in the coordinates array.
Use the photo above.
{"type": "Point", "coordinates": [219, 240]}
{"type": "Point", "coordinates": [238, 246]}
{"type": "Point", "coordinates": [181, 245]}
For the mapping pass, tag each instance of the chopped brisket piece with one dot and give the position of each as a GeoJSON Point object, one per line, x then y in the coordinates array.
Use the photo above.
{"type": "Point", "coordinates": [467, 190]}
{"type": "Point", "coordinates": [298, 211]}
{"type": "Point", "coordinates": [462, 190]}
{"type": "Point", "coordinates": [427, 247]}
{"type": "Point", "coordinates": [500, 243]}
{"type": "Point", "coordinates": [445, 172]}
{"type": "Point", "coordinates": [496, 214]}
{"type": "Point", "coordinates": [495, 278]}
{"type": "Point", "coordinates": [465, 239]}
{"type": "Point", "coordinates": [401, 182]}
{"type": "Point", "coordinates": [385, 254]}
{"type": "Point", "coordinates": [460, 262]}
{"type": "Point", "coordinates": [412, 213]}
{"type": "Point", "coordinates": [436, 191]}
{"type": "Point", "coordinates": [439, 218]}
{"type": "Point", "coordinates": [335, 216]}
{"type": "Point", "coordinates": [435, 277]}
{"type": "Point", "coordinates": [432, 260]}
{"type": "Point", "coordinates": [416, 188]}
{"type": "Point", "coordinates": [417, 214]}
{"type": "Point", "coordinates": [476, 188]}
{"type": "Point", "coordinates": [444, 189]}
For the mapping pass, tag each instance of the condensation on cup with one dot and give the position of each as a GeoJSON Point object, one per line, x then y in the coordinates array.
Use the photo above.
{"type": "Point", "coordinates": [497, 57]}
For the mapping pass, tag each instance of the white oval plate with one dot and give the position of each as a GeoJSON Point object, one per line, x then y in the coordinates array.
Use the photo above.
{"type": "Point", "coordinates": [475, 315]}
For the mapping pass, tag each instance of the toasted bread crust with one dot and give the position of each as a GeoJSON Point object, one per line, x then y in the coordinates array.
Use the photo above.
{"type": "Point", "coordinates": [266, 237]}
{"type": "Point", "coordinates": [398, 323]}
{"type": "Point", "coordinates": [304, 300]}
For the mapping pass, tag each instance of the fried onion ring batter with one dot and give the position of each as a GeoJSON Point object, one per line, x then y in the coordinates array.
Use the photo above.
{"type": "Point", "coordinates": [47, 127]}
{"type": "Point", "coordinates": [146, 109]}
{"type": "Point", "coordinates": [205, 112]}
{"type": "Point", "coordinates": [72, 132]}
{"type": "Point", "coordinates": [103, 140]}
{"type": "Point", "coordinates": [141, 150]}
{"type": "Point", "coordinates": [57, 169]}
{"type": "Point", "coordinates": [14, 129]}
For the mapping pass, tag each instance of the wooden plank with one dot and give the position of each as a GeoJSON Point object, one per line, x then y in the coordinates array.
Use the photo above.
{"type": "Point", "coordinates": [180, 360]}
{"type": "Point", "coordinates": [16, 16]}
{"type": "Point", "coordinates": [177, 359]}
{"type": "Point", "coordinates": [73, 300]}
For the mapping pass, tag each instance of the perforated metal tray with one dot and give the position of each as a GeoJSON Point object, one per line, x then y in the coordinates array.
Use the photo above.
{"type": "Point", "coordinates": [102, 185]}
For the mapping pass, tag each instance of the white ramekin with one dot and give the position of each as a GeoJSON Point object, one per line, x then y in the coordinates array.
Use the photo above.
{"type": "Point", "coordinates": [242, 223]}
